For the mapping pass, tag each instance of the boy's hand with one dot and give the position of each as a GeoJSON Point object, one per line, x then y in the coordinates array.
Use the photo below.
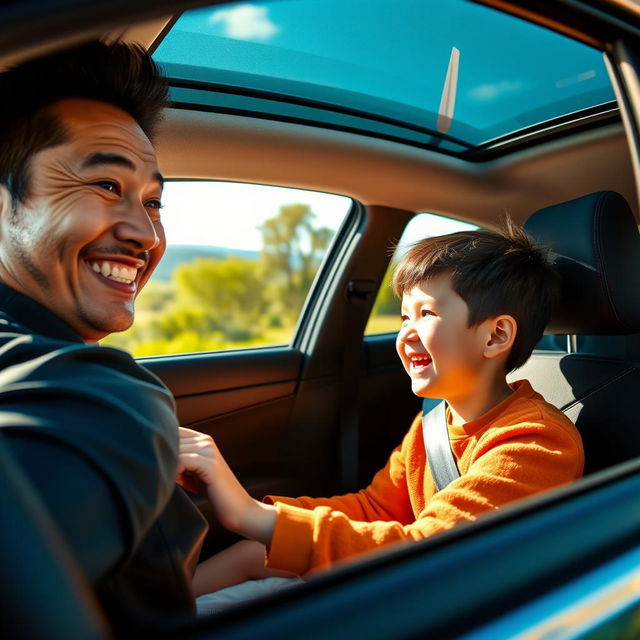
{"type": "Point", "coordinates": [200, 462]}
{"type": "Point", "coordinates": [195, 460]}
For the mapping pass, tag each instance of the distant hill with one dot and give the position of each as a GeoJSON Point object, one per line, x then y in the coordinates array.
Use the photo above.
{"type": "Point", "coordinates": [178, 254]}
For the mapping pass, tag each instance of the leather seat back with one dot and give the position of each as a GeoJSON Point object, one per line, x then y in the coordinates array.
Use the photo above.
{"type": "Point", "coordinates": [597, 246]}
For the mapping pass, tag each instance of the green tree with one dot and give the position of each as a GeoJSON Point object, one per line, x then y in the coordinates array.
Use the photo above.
{"type": "Point", "coordinates": [155, 296]}
{"type": "Point", "coordinates": [229, 291]}
{"type": "Point", "coordinates": [292, 249]}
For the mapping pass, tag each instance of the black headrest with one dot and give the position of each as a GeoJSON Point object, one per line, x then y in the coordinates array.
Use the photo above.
{"type": "Point", "coordinates": [597, 246]}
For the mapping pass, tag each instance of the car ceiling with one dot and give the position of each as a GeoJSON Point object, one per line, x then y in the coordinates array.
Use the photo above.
{"type": "Point", "coordinates": [387, 173]}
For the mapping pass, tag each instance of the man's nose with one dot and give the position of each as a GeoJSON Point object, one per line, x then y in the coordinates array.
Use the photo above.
{"type": "Point", "coordinates": [136, 227]}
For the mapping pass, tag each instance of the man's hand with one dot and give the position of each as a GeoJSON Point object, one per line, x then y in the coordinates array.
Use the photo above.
{"type": "Point", "coordinates": [200, 462]}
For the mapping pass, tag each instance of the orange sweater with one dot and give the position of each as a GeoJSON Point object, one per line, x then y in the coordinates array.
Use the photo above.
{"type": "Point", "coordinates": [521, 447]}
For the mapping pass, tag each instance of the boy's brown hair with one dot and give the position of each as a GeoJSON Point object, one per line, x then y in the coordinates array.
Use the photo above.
{"type": "Point", "coordinates": [495, 273]}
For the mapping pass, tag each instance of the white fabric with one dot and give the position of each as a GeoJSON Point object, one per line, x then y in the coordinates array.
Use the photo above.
{"type": "Point", "coordinates": [220, 600]}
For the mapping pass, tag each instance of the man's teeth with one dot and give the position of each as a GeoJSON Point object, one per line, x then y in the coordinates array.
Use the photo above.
{"type": "Point", "coordinates": [115, 272]}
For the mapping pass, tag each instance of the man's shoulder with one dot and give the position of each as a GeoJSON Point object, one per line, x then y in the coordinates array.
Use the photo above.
{"type": "Point", "coordinates": [27, 350]}
{"type": "Point", "coordinates": [10, 328]}
{"type": "Point", "coordinates": [100, 381]}
{"type": "Point", "coordinates": [94, 400]}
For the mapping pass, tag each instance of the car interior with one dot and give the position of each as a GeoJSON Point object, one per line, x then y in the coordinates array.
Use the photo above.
{"type": "Point", "coordinates": [319, 416]}
{"type": "Point", "coordinates": [597, 239]}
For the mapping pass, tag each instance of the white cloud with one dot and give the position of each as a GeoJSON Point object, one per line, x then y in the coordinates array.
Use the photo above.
{"type": "Point", "coordinates": [571, 80]}
{"type": "Point", "coordinates": [488, 92]}
{"type": "Point", "coordinates": [245, 22]}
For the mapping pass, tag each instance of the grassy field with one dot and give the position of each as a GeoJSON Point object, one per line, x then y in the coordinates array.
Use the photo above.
{"type": "Point", "coordinates": [383, 324]}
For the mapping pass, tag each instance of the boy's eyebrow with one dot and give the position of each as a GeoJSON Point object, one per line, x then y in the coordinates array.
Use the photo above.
{"type": "Point", "coordinates": [100, 157]}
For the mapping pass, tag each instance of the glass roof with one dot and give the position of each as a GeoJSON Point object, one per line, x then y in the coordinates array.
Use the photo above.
{"type": "Point", "coordinates": [386, 61]}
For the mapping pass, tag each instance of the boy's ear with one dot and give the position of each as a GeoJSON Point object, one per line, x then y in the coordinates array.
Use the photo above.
{"type": "Point", "coordinates": [502, 333]}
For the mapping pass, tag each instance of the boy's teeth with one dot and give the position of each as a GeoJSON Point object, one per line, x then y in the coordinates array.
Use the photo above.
{"type": "Point", "coordinates": [115, 272]}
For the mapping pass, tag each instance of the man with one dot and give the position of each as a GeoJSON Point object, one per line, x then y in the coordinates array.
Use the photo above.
{"type": "Point", "coordinates": [80, 235]}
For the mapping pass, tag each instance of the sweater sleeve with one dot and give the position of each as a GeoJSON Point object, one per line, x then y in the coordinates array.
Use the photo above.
{"type": "Point", "coordinates": [509, 464]}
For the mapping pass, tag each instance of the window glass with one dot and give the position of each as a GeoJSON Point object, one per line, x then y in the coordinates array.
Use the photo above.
{"type": "Point", "coordinates": [385, 316]}
{"type": "Point", "coordinates": [552, 343]}
{"type": "Point", "coordinates": [239, 263]}
{"type": "Point", "coordinates": [392, 62]}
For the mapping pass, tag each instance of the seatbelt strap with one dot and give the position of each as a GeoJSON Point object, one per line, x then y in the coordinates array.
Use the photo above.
{"type": "Point", "coordinates": [444, 469]}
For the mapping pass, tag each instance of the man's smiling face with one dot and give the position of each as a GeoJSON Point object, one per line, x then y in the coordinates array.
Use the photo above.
{"type": "Point", "coordinates": [88, 234]}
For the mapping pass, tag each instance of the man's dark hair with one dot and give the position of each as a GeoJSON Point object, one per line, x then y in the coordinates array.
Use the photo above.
{"type": "Point", "coordinates": [119, 74]}
{"type": "Point", "coordinates": [494, 273]}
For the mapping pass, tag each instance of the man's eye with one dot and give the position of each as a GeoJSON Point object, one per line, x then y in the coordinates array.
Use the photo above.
{"type": "Point", "coordinates": [153, 204]}
{"type": "Point", "coordinates": [108, 185]}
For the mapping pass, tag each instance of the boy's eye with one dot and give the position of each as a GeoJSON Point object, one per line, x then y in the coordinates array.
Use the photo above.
{"type": "Point", "coordinates": [404, 318]}
{"type": "Point", "coordinates": [426, 312]}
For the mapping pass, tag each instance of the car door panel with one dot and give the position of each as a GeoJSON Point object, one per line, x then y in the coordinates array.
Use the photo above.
{"type": "Point", "coordinates": [242, 399]}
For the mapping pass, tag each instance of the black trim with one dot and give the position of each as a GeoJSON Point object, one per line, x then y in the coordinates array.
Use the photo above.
{"type": "Point", "coordinates": [312, 104]}
{"type": "Point", "coordinates": [330, 267]}
{"type": "Point", "coordinates": [576, 122]}
{"type": "Point", "coordinates": [519, 140]}
{"type": "Point", "coordinates": [187, 106]}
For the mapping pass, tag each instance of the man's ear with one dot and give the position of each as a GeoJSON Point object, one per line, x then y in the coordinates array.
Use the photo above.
{"type": "Point", "coordinates": [501, 334]}
{"type": "Point", "coordinates": [6, 203]}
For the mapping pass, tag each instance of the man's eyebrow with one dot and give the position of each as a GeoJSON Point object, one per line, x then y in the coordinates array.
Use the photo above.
{"type": "Point", "coordinates": [115, 159]}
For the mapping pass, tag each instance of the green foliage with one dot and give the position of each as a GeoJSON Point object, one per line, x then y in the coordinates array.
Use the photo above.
{"type": "Point", "coordinates": [230, 291]}
{"type": "Point", "coordinates": [292, 249]}
{"type": "Point", "coordinates": [386, 303]}
{"type": "Point", "coordinates": [155, 296]}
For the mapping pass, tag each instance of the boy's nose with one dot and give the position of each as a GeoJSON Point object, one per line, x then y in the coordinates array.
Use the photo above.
{"type": "Point", "coordinates": [408, 333]}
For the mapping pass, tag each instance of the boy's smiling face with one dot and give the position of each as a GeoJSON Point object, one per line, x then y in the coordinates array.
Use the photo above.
{"type": "Point", "coordinates": [441, 353]}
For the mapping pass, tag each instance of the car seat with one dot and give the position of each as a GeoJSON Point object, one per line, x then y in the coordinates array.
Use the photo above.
{"type": "Point", "coordinates": [597, 246]}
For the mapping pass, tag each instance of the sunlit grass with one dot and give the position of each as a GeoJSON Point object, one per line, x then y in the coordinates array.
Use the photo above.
{"type": "Point", "coordinates": [383, 324]}
{"type": "Point", "coordinates": [192, 342]}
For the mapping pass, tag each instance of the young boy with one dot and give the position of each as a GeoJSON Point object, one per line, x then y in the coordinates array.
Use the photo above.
{"type": "Point", "coordinates": [474, 304]}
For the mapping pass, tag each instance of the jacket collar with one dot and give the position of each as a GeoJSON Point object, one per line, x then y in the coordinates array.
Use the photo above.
{"type": "Point", "coordinates": [32, 315]}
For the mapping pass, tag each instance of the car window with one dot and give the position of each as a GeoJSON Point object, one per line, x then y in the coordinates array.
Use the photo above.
{"type": "Point", "coordinates": [239, 263]}
{"type": "Point", "coordinates": [343, 54]}
{"type": "Point", "coordinates": [385, 316]}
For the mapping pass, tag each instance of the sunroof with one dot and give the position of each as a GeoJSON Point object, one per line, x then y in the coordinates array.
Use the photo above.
{"type": "Point", "coordinates": [388, 60]}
